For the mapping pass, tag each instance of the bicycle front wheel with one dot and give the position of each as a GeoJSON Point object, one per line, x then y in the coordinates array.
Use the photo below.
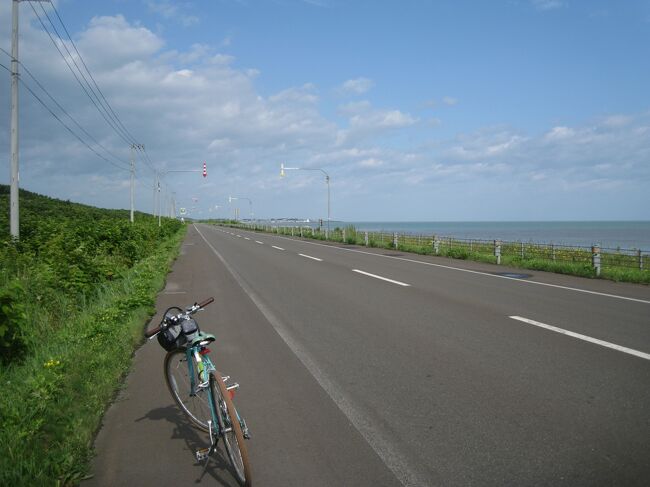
{"type": "Point", "coordinates": [177, 375]}
{"type": "Point", "coordinates": [233, 436]}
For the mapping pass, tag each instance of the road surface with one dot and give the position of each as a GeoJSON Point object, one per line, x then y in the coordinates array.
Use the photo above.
{"type": "Point", "coordinates": [371, 367]}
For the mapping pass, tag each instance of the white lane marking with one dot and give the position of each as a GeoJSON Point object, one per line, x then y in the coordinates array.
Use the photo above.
{"type": "Point", "coordinates": [238, 236]}
{"type": "Point", "coordinates": [257, 241]}
{"type": "Point", "coordinates": [310, 257]}
{"type": "Point", "coordinates": [381, 440]}
{"type": "Point", "coordinates": [275, 247]}
{"type": "Point", "coordinates": [584, 337]}
{"type": "Point", "coordinates": [246, 238]}
{"type": "Point", "coordinates": [399, 283]}
{"type": "Point", "coordinates": [522, 281]}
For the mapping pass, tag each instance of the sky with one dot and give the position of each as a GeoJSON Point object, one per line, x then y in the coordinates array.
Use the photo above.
{"type": "Point", "coordinates": [439, 110]}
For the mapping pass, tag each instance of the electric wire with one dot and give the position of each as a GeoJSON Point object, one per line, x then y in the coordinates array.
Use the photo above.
{"type": "Point", "coordinates": [108, 105]}
{"type": "Point", "coordinates": [59, 37]}
{"type": "Point", "coordinates": [64, 110]}
{"type": "Point", "coordinates": [106, 118]}
{"type": "Point", "coordinates": [63, 123]}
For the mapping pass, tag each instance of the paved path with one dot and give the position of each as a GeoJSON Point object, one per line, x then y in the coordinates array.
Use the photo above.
{"type": "Point", "coordinates": [381, 368]}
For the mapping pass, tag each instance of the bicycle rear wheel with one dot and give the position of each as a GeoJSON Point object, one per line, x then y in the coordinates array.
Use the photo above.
{"type": "Point", "coordinates": [233, 437]}
{"type": "Point", "coordinates": [177, 375]}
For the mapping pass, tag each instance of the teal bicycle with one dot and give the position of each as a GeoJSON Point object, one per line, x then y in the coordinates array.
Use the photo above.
{"type": "Point", "coordinates": [199, 390]}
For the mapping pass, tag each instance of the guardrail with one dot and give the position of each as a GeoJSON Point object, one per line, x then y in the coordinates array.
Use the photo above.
{"type": "Point", "coordinates": [546, 256]}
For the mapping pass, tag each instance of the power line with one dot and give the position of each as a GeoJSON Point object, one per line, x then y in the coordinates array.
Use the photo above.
{"type": "Point", "coordinates": [117, 119]}
{"type": "Point", "coordinates": [64, 110]}
{"type": "Point", "coordinates": [63, 123]}
{"type": "Point", "coordinates": [115, 125]}
{"type": "Point", "coordinates": [102, 112]}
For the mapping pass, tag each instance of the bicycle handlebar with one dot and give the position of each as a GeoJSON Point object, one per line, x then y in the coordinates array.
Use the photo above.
{"type": "Point", "coordinates": [190, 311]}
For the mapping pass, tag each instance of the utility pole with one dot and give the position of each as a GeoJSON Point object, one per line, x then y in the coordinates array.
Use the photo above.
{"type": "Point", "coordinates": [133, 148]}
{"type": "Point", "coordinates": [155, 184]}
{"type": "Point", "coordinates": [14, 219]}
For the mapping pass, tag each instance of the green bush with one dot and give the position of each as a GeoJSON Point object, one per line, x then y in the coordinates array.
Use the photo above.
{"type": "Point", "coordinates": [13, 322]}
{"type": "Point", "coordinates": [75, 273]}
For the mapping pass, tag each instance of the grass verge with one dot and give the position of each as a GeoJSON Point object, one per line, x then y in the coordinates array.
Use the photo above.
{"type": "Point", "coordinates": [52, 402]}
{"type": "Point", "coordinates": [615, 267]}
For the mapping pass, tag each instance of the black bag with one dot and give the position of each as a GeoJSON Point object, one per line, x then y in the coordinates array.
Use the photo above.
{"type": "Point", "coordinates": [172, 337]}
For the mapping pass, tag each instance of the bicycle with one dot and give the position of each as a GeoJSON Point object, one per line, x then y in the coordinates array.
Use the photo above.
{"type": "Point", "coordinates": [198, 388]}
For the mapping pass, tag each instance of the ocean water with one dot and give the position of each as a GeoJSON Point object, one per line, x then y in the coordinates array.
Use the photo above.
{"type": "Point", "coordinates": [609, 234]}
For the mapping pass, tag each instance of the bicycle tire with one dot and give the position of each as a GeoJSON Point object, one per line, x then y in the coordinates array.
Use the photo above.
{"type": "Point", "coordinates": [197, 407]}
{"type": "Point", "coordinates": [234, 439]}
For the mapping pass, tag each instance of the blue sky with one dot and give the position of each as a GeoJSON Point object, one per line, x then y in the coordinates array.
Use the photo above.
{"type": "Point", "coordinates": [419, 110]}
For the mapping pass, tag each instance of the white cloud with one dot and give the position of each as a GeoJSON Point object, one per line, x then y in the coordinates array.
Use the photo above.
{"type": "Point", "coordinates": [176, 11]}
{"type": "Point", "coordinates": [357, 86]}
{"type": "Point", "coordinates": [371, 162]}
{"type": "Point", "coordinates": [548, 4]}
{"type": "Point", "coordinates": [559, 133]}
{"type": "Point", "coordinates": [111, 42]}
{"type": "Point", "coordinates": [448, 100]}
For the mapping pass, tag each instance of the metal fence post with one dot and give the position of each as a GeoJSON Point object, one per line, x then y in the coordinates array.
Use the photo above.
{"type": "Point", "coordinates": [595, 258]}
{"type": "Point", "coordinates": [640, 260]}
{"type": "Point", "coordinates": [553, 251]}
{"type": "Point", "coordinates": [395, 240]}
{"type": "Point", "coordinates": [343, 234]}
{"type": "Point", "coordinates": [365, 238]}
{"type": "Point", "coordinates": [522, 250]}
{"type": "Point", "coordinates": [497, 250]}
{"type": "Point", "coordinates": [436, 245]}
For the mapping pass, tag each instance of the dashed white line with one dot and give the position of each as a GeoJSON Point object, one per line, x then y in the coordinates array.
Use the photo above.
{"type": "Point", "coordinates": [310, 257]}
{"type": "Point", "coordinates": [399, 283]}
{"type": "Point", "coordinates": [583, 337]}
{"type": "Point", "coordinates": [246, 238]}
{"type": "Point", "coordinates": [238, 236]}
{"type": "Point", "coordinates": [257, 241]}
{"type": "Point", "coordinates": [481, 273]}
{"type": "Point", "coordinates": [275, 247]}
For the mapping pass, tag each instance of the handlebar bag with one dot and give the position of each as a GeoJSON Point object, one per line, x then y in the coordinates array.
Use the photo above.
{"type": "Point", "coordinates": [171, 338]}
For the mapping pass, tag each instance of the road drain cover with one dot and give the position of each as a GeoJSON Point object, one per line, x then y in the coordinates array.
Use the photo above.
{"type": "Point", "coordinates": [513, 275]}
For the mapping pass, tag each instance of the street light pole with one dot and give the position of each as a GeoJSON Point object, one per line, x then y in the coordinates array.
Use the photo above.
{"type": "Point", "coordinates": [327, 181]}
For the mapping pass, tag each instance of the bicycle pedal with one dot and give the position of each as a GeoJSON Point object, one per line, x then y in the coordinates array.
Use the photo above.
{"type": "Point", "coordinates": [202, 454]}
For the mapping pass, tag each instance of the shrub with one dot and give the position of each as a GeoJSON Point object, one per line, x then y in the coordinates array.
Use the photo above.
{"type": "Point", "coordinates": [13, 322]}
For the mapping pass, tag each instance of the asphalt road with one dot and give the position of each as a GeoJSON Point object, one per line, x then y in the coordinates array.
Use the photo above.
{"type": "Point", "coordinates": [370, 367]}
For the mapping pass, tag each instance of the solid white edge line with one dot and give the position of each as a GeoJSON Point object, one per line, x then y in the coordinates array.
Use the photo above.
{"type": "Point", "coordinates": [257, 241]}
{"type": "Point", "coordinates": [481, 273]}
{"type": "Point", "coordinates": [276, 247]}
{"type": "Point", "coordinates": [586, 338]}
{"type": "Point", "coordinates": [399, 283]}
{"type": "Point", "coordinates": [310, 257]}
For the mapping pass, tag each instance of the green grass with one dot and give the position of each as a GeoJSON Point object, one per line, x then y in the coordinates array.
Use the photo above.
{"type": "Point", "coordinates": [52, 403]}
{"type": "Point", "coordinates": [75, 294]}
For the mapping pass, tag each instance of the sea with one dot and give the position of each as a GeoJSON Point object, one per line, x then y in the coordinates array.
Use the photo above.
{"type": "Point", "coordinates": [624, 235]}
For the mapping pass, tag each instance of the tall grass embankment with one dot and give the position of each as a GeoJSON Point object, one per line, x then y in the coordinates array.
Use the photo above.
{"type": "Point", "coordinates": [75, 293]}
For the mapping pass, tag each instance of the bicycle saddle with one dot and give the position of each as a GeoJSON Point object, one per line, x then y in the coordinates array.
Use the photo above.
{"type": "Point", "coordinates": [203, 337]}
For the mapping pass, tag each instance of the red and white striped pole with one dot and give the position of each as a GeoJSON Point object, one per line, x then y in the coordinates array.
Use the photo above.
{"type": "Point", "coordinates": [205, 170]}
